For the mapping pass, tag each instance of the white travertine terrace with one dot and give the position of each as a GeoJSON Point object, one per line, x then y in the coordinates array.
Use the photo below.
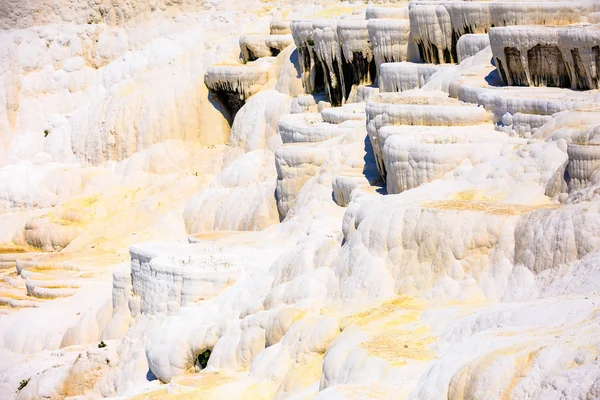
{"type": "Point", "coordinates": [300, 128]}
{"type": "Point", "coordinates": [584, 158]}
{"type": "Point", "coordinates": [500, 101]}
{"type": "Point", "coordinates": [184, 278]}
{"type": "Point", "coordinates": [337, 53]}
{"type": "Point", "coordinates": [338, 115]}
{"type": "Point", "coordinates": [548, 56]}
{"type": "Point", "coordinates": [393, 12]}
{"type": "Point", "coordinates": [417, 155]}
{"type": "Point", "coordinates": [436, 27]}
{"type": "Point", "coordinates": [312, 71]}
{"type": "Point", "coordinates": [297, 162]}
{"type": "Point", "coordinates": [254, 47]}
{"type": "Point", "coordinates": [389, 38]}
{"type": "Point", "coordinates": [364, 92]}
{"type": "Point", "coordinates": [351, 183]}
{"type": "Point", "coordinates": [401, 76]}
{"type": "Point", "coordinates": [356, 50]}
{"type": "Point", "coordinates": [175, 224]}
{"type": "Point", "coordinates": [329, 53]}
{"type": "Point", "coordinates": [234, 84]}
{"type": "Point", "coordinates": [541, 12]}
{"type": "Point", "coordinates": [431, 28]}
{"type": "Point", "coordinates": [389, 109]}
{"type": "Point", "coordinates": [280, 27]}
{"type": "Point", "coordinates": [470, 44]}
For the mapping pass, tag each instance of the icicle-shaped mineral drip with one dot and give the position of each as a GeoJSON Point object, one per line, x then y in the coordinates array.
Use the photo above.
{"type": "Point", "coordinates": [354, 38]}
{"type": "Point", "coordinates": [431, 28]}
{"type": "Point", "coordinates": [547, 56]}
{"type": "Point", "coordinates": [468, 17]}
{"type": "Point", "coordinates": [389, 38]}
{"type": "Point", "coordinates": [357, 54]}
{"type": "Point", "coordinates": [329, 53]}
{"type": "Point", "coordinates": [234, 84]}
{"type": "Point", "coordinates": [540, 13]}
{"type": "Point", "coordinates": [312, 72]}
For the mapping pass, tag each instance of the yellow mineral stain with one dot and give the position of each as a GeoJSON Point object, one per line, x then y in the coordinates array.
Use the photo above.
{"type": "Point", "coordinates": [461, 381]}
{"type": "Point", "coordinates": [192, 387]}
{"type": "Point", "coordinates": [14, 296]}
{"type": "Point", "coordinates": [369, 392]}
{"type": "Point", "coordinates": [400, 346]}
{"type": "Point", "coordinates": [10, 248]}
{"type": "Point", "coordinates": [522, 368]}
{"type": "Point", "coordinates": [410, 307]}
{"type": "Point", "coordinates": [215, 235]}
{"type": "Point", "coordinates": [205, 381]}
{"type": "Point", "coordinates": [303, 375]}
{"type": "Point", "coordinates": [488, 207]}
{"type": "Point", "coordinates": [334, 12]}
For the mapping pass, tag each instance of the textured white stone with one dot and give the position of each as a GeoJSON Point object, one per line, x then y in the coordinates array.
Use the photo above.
{"type": "Point", "coordinates": [547, 56]}
{"type": "Point", "coordinates": [390, 40]}
{"type": "Point", "coordinates": [259, 46]}
{"type": "Point", "coordinates": [280, 27]}
{"type": "Point", "coordinates": [141, 219]}
{"type": "Point", "coordinates": [401, 76]}
{"type": "Point", "coordinates": [395, 12]}
{"type": "Point", "coordinates": [470, 44]}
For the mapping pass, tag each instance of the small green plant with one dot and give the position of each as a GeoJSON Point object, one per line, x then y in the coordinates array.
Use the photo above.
{"type": "Point", "coordinates": [23, 383]}
{"type": "Point", "coordinates": [310, 42]}
{"type": "Point", "coordinates": [203, 358]}
{"type": "Point", "coordinates": [46, 132]}
{"type": "Point", "coordinates": [101, 345]}
{"type": "Point", "coordinates": [185, 262]}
